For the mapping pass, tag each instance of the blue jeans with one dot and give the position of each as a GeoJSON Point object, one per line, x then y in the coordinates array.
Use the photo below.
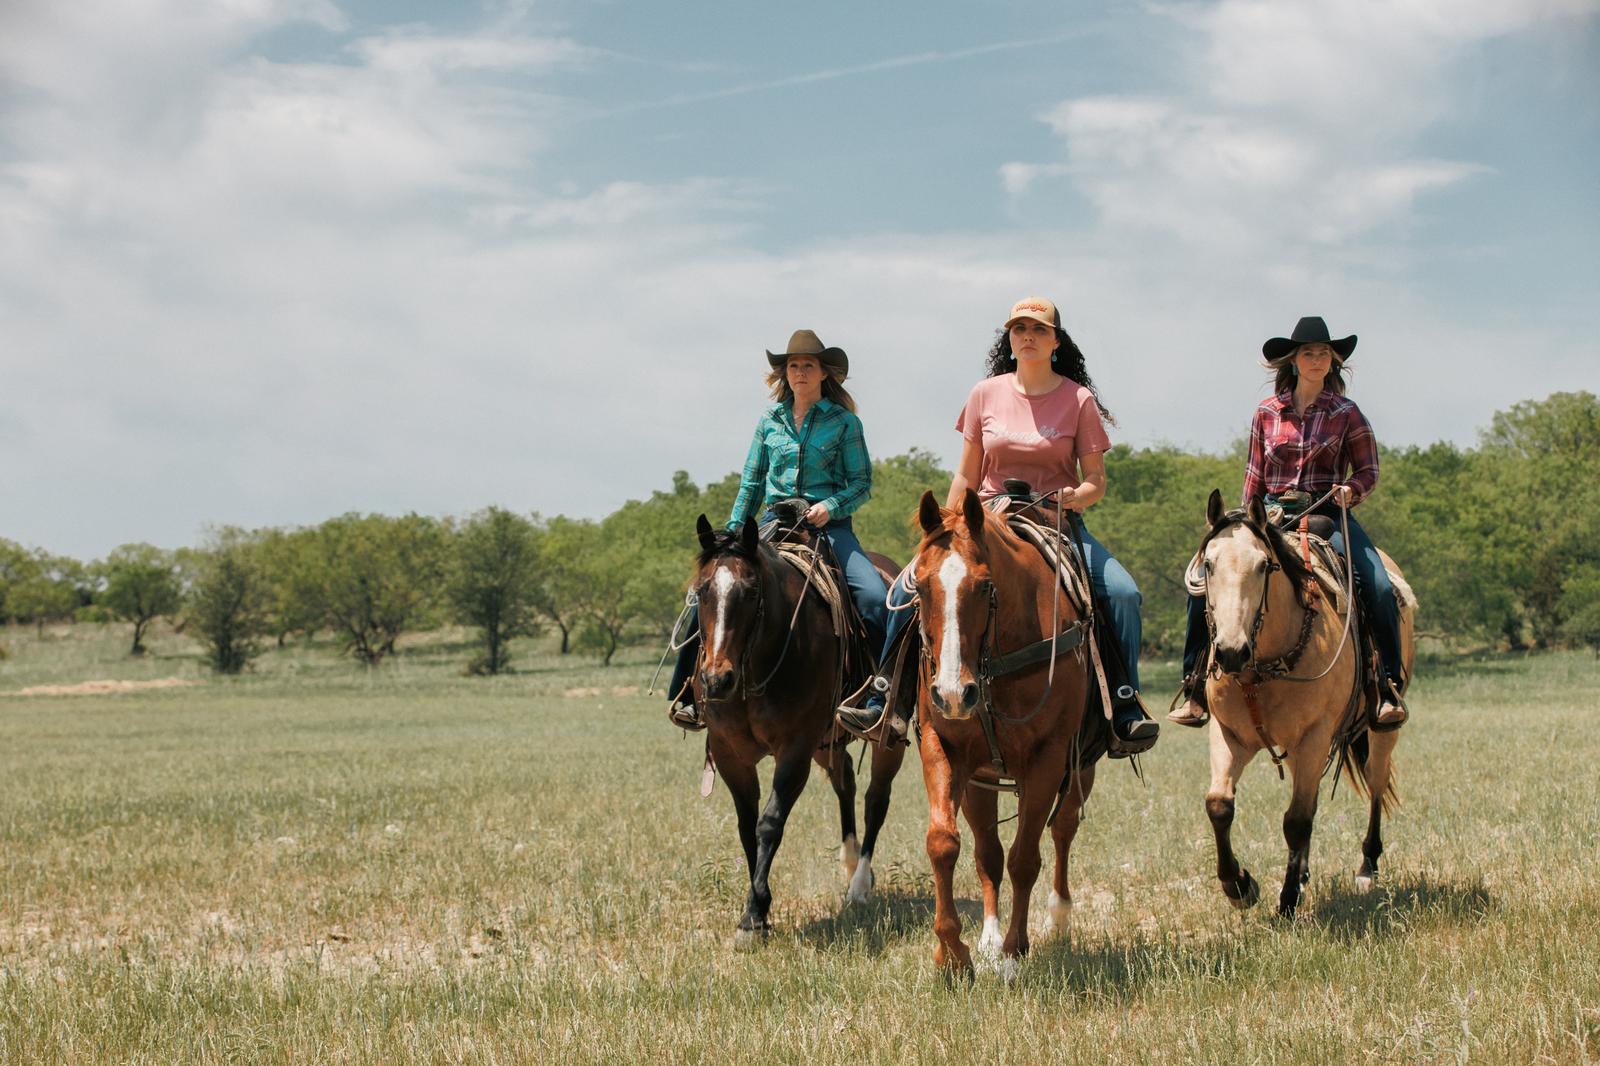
{"type": "Point", "coordinates": [1113, 586]}
{"type": "Point", "coordinates": [1373, 587]}
{"type": "Point", "coordinates": [866, 588]}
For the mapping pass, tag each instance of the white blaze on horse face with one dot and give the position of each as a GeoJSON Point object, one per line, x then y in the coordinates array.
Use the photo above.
{"type": "Point", "coordinates": [951, 571]}
{"type": "Point", "coordinates": [723, 581]}
{"type": "Point", "coordinates": [1233, 585]}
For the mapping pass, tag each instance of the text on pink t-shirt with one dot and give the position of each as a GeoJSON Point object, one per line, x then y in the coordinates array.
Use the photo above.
{"type": "Point", "coordinates": [1037, 439]}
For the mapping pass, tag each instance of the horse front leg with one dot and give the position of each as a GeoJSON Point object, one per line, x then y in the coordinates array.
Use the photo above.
{"type": "Point", "coordinates": [842, 775]}
{"type": "Point", "coordinates": [1379, 768]}
{"type": "Point", "coordinates": [745, 788]}
{"type": "Point", "coordinates": [1039, 787]}
{"type": "Point", "coordinates": [1069, 816]}
{"type": "Point", "coordinates": [1305, 761]}
{"type": "Point", "coordinates": [944, 847]}
{"type": "Point", "coordinates": [886, 760]}
{"type": "Point", "coordinates": [1228, 760]}
{"type": "Point", "coordinates": [788, 780]}
{"type": "Point", "coordinates": [981, 806]}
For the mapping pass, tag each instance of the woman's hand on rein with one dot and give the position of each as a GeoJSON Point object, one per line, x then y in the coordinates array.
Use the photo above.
{"type": "Point", "coordinates": [1343, 495]}
{"type": "Point", "coordinates": [817, 515]}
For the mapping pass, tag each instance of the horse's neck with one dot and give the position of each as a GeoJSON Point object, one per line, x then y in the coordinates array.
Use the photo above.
{"type": "Point", "coordinates": [1280, 629]}
{"type": "Point", "coordinates": [1019, 571]}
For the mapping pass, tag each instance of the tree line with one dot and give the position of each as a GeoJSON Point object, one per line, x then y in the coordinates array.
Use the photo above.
{"type": "Point", "coordinates": [1501, 542]}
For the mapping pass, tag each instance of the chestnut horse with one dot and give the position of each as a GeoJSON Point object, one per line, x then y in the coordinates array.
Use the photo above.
{"type": "Point", "coordinates": [767, 683]}
{"type": "Point", "coordinates": [988, 599]}
{"type": "Point", "coordinates": [1284, 673]}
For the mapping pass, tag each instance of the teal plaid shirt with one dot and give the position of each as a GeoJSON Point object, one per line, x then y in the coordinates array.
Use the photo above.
{"type": "Point", "coordinates": [826, 462]}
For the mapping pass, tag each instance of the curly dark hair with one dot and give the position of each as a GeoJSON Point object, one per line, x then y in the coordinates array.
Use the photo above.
{"type": "Point", "coordinates": [1066, 360]}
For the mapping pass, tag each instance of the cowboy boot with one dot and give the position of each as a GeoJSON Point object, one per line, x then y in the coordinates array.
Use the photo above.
{"type": "Point", "coordinates": [1392, 711]}
{"type": "Point", "coordinates": [1133, 731]}
{"type": "Point", "coordinates": [864, 721]}
{"type": "Point", "coordinates": [1192, 696]}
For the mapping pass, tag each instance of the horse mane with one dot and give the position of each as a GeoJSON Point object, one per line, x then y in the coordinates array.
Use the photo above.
{"type": "Point", "coordinates": [1278, 543]}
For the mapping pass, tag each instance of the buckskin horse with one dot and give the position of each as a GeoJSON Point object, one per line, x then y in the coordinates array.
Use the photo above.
{"type": "Point", "coordinates": [991, 706]}
{"type": "Point", "coordinates": [767, 681]}
{"type": "Point", "coordinates": [1285, 679]}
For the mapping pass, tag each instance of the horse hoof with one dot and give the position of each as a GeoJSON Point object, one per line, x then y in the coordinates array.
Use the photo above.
{"type": "Point", "coordinates": [749, 939]}
{"type": "Point", "coordinates": [1249, 893]}
{"type": "Point", "coordinates": [861, 883]}
{"type": "Point", "coordinates": [990, 943]}
{"type": "Point", "coordinates": [1058, 916]}
{"type": "Point", "coordinates": [1365, 882]}
{"type": "Point", "coordinates": [955, 977]}
{"type": "Point", "coordinates": [1010, 969]}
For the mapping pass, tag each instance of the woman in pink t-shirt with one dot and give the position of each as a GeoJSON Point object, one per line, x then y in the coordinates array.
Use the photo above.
{"type": "Point", "coordinates": [1037, 417]}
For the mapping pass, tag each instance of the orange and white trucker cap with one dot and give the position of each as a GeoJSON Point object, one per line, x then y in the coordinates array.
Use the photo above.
{"type": "Point", "coordinates": [1037, 308]}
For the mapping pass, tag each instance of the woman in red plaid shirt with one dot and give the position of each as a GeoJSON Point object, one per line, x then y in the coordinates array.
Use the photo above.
{"type": "Point", "coordinates": [1307, 440]}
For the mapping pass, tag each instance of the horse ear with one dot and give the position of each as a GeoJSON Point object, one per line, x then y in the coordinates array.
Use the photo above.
{"type": "Point", "coordinates": [703, 528]}
{"type": "Point", "coordinates": [1214, 507]}
{"type": "Point", "coordinates": [749, 535]}
{"type": "Point", "coordinates": [1258, 511]}
{"type": "Point", "coordinates": [929, 515]}
{"type": "Point", "coordinates": [972, 509]}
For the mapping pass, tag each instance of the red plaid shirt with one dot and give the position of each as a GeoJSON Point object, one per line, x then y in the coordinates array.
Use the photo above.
{"type": "Point", "coordinates": [1310, 452]}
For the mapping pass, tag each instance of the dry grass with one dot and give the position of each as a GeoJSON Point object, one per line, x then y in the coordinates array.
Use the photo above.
{"type": "Point", "coordinates": [320, 863]}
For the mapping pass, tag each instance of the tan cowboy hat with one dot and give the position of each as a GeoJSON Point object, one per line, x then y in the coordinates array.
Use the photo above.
{"type": "Point", "coordinates": [805, 342]}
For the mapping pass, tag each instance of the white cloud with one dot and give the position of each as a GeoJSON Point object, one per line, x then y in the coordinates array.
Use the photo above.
{"type": "Point", "coordinates": [1298, 124]}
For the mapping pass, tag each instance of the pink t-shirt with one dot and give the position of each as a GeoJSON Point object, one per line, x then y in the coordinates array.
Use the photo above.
{"type": "Point", "coordinates": [1038, 439]}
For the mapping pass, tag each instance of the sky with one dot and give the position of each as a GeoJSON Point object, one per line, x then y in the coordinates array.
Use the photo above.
{"type": "Point", "coordinates": [263, 262]}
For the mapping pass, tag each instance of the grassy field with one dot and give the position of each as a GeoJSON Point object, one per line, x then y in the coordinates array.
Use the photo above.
{"type": "Point", "coordinates": [321, 863]}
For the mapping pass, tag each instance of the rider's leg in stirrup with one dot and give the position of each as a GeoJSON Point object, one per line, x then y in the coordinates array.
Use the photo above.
{"type": "Point", "coordinates": [1383, 612]}
{"type": "Point", "coordinates": [1119, 596]}
{"type": "Point", "coordinates": [1193, 710]}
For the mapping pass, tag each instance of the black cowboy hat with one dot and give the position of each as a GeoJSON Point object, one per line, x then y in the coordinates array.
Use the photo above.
{"type": "Point", "coordinates": [805, 342]}
{"type": "Point", "coordinates": [1309, 330]}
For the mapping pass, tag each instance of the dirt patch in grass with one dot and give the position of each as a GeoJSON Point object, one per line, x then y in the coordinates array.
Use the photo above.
{"type": "Point", "coordinates": [101, 688]}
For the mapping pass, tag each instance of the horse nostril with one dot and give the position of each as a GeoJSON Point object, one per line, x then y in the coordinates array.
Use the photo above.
{"type": "Point", "coordinates": [717, 685]}
{"type": "Point", "coordinates": [938, 700]}
{"type": "Point", "coordinates": [969, 695]}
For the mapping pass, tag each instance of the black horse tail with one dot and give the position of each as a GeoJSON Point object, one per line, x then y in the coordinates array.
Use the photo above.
{"type": "Point", "coordinates": [1352, 763]}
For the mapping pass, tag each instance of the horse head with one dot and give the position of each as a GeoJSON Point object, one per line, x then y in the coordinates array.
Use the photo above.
{"type": "Point", "coordinates": [957, 596]}
{"type": "Point", "coordinates": [728, 586]}
{"type": "Point", "coordinates": [1238, 557]}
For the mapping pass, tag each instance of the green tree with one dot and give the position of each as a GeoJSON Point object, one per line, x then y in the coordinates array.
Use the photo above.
{"type": "Point", "coordinates": [227, 607]}
{"type": "Point", "coordinates": [291, 565]}
{"type": "Point", "coordinates": [494, 582]}
{"type": "Point", "coordinates": [47, 588]}
{"type": "Point", "coordinates": [141, 584]}
{"type": "Point", "coordinates": [378, 577]}
{"type": "Point", "coordinates": [563, 591]}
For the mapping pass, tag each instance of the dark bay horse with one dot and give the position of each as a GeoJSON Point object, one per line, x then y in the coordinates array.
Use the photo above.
{"type": "Point", "coordinates": [985, 594]}
{"type": "Point", "coordinates": [1284, 679]}
{"type": "Point", "coordinates": [767, 682]}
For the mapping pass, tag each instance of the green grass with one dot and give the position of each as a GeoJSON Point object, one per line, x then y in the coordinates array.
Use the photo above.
{"type": "Point", "coordinates": [322, 863]}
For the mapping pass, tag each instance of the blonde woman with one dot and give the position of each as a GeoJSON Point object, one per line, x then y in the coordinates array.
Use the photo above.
{"type": "Point", "coordinates": [808, 444]}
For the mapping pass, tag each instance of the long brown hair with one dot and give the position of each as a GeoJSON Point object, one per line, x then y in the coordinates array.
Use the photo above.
{"type": "Point", "coordinates": [1285, 374]}
{"type": "Point", "coordinates": [832, 389]}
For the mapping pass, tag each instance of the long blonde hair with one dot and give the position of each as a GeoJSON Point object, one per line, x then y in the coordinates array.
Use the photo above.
{"type": "Point", "coordinates": [832, 389]}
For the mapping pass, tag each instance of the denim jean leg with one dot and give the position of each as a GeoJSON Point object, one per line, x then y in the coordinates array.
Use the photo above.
{"type": "Point", "coordinates": [1115, 588]}
{"type": "Point", "coordinates": [1195, 634]}
{"type": "Point", "coordinates": [687, 656]}
{"type": "Point", "coordinates": [866, 585]}
{"type": "Point", "coordinates": [1377, 596]}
